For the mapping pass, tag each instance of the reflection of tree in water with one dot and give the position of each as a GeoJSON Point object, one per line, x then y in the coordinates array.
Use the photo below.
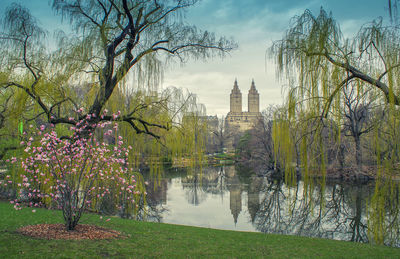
{"type": "Point", "coordinates": [151, 207]}
{"type": "Point", "coordinates": [268, 218]}
{"type": "Point", "coordinates": [151, 212]}
{"type": "Point", "coordinates": [193, 186]}
{"type": "Point", "coordinates": [219, 183]}
{"type": "Point", "coordinates": [334, 210]}
{"type": "Point", "coordinates": [345, 212]}
{"type": "Point", "coordinates": [198, 183]}
{"type": "Point", "coordinates": [337, 211]}
{"type": "Point", "coordinates": [384, 209]}
{"type": "Point", "coordinates": [156, 199]}
{"type": "Point", "coordinates": [318, 214]}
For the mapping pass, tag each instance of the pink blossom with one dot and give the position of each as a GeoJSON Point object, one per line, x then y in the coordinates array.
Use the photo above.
{"type": "Point", "coordinates": [53, 166]}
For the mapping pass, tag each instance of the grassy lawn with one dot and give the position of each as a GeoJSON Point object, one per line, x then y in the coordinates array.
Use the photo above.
{"type": "Point", "coordinates": [154, 240]}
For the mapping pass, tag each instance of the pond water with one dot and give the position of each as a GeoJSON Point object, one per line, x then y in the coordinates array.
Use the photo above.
{"type": "Point", "coordinates": [232, 199]}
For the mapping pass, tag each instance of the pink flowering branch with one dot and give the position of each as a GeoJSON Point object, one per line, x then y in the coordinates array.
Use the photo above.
{"type": "Point", "coordinates": [75, 174]}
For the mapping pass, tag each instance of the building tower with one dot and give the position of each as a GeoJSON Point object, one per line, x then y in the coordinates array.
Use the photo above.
{"type": "Point", "coordinates": [236, 99]}
{"type": "Point", "coordinates": [254, 99]}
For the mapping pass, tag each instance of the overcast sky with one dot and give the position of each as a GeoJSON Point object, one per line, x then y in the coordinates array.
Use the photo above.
{"type": "Point", "coordinates": [254, 24]}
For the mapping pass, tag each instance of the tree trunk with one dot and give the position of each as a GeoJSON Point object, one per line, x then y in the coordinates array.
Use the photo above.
{"type": "Point", "coordinates": [358, 153]}
{"type": "Point", "coordinates": [71, 218]}
{"type": "Point", "coordinates": [341, 157]}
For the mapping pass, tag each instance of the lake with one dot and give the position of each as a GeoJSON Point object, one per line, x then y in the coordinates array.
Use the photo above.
{"type": "Point", "coordinates": [236, 199]}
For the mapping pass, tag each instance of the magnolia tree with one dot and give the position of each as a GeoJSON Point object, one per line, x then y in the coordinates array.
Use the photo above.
{"type": "Point", "coordinates": [75, 173]}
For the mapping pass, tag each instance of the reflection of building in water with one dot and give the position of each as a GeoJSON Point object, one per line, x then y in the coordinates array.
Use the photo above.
{"type": "Point", "coordinates": [235, 201]}
{"type": "Point", "coordinates": [253, 197]}
{"type": "Point", "coordinates": [157, 192]}
{"type": "Point", "coordinates": [235, 192]}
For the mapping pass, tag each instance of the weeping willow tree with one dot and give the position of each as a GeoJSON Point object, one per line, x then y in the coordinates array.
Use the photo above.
{"type": "Point", "coordinates": [173, 107]}
{"type": "Point", "coordinates": [322, 64]}
{"type": "Point", "coordinates": [330, 77]}
{"type": "Point", "coordinates": [110, 40]}
{"type": "Point", "coordinates": [113, 44]}
{"type": "Point", "coordinates": [8, 122]}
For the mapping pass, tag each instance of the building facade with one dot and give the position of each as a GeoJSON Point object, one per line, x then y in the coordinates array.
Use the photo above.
{"type": "Point", "coordinates": [238, 120]}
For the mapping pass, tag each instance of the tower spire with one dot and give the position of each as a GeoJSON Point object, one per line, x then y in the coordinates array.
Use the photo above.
{"type": "Point", "coordinates": [236, 99]}
{"type": "Point", "coordinates": [253, 87]}
{"type": "Point", "coordinates": [235, 86]}
{"type": "Point", "coordinates": [253, 99]}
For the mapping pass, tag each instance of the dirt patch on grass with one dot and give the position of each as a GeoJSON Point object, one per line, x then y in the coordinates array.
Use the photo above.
{"type": "Point", "coordinates": [58, 231]}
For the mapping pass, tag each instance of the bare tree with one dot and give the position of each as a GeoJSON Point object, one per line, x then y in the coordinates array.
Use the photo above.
{"type": "Point", "coordinates": [357, 113]}
{"type": "Point", "coordinates": [221, 134]}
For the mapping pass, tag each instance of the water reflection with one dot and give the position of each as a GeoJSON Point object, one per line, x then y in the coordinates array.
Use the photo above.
{"type": "Point", "coordinates": [226, 198]}
{"type": "Point", "coordinates": [336, 213]}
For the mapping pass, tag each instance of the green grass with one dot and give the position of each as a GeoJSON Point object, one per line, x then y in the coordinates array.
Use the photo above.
{"type": "Point", "coordinates": [155, 240]}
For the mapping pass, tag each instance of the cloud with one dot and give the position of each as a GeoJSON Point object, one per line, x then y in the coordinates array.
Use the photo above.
{"type": "Point", "coordinates": [213, 81]}
{"type": "Point", "coordinates": [254, 24]}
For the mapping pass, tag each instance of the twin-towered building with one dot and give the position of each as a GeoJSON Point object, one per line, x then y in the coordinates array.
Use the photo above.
{"type": "Point", "coordinates": [242, 120]}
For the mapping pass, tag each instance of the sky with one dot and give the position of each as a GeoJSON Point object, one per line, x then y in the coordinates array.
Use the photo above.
{"type": "Point", "coordinates": [254, 25]}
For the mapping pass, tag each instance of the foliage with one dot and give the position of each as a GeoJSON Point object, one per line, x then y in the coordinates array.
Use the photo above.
{"type": "Point", "coordinates": [219, 135]}
{"type": "Point", "coordinates": [75, 174]}
{"type": "Point", "coordinates": [342, 106]}
{"type": "Point", "coordinates": [112, 42]}
{"type": "Point", "coordinates": [339, 87]}
{"type": "Point", "coordinates": [196, 127]}
{"type": "Point", "coordinates": [326, 61]}
{"type": "Point", "coordinates": [242, 150]}
{"type": "Point", "coordinates": [169, 107]}
{"type": "Point", "coordinates": [383, 211]}
{"type": "Point", "coordinates": [258, 145]}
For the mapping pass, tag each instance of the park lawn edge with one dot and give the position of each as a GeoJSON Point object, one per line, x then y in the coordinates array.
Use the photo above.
{"type": "Point", "coordinates": [160, 240]}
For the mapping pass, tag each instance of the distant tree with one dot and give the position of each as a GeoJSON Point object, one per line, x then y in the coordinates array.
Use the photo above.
{"type": "Point", "coordinates": [357, 117]}
{"type": "Point", "coordinates": [243, 149]}
{"type": "Point", "coordinates": [221, 134]}
{"type": "Point", "coordinates": [258, 144]}
{"type": "Point", "coordinates": [262, 137]}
